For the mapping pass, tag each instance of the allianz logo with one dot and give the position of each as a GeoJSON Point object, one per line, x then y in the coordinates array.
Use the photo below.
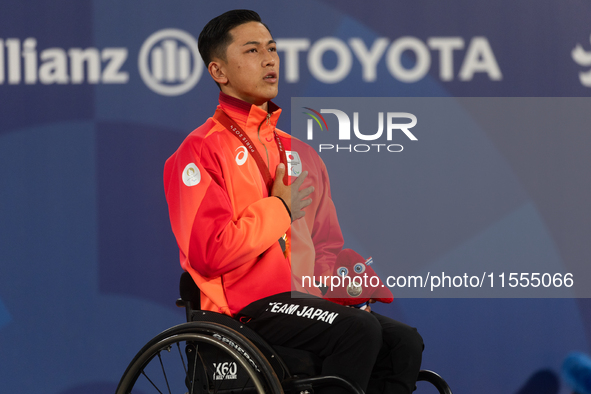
{"type": "Point", "coordinates": [169, 63]}
{"type": "Point", "coordinates": [22, 62]}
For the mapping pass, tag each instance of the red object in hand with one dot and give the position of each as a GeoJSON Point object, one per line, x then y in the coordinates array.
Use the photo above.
{"type": "Point", "coordinates": [358, 281]}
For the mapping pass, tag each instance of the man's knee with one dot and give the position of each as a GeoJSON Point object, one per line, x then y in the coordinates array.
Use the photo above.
{"type": "Point", "coordinates": [366, 328]}
{"type": "Point", "coordinates": [415, 340]}
{"type": "Point", "coordinates": [397, 335]}
{"type": "Point", "coordinates": [407, 337]}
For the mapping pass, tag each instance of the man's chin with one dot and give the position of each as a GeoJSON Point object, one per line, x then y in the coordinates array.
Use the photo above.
{"type": "Point", "coordinates": [267, 97]}
{"type": "Point", "coordinates": [272, 95]}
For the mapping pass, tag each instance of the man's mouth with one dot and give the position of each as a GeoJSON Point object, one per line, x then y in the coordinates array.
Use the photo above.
{"type": "Point", "coordinates": [271, 76]}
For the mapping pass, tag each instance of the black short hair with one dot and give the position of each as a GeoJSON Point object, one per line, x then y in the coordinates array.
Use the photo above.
{"type": "Point", "coordinates": [215, 36]}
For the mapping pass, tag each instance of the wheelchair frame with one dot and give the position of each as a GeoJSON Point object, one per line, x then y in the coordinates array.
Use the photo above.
{"type": "Point", "coordinates": [209, 332]}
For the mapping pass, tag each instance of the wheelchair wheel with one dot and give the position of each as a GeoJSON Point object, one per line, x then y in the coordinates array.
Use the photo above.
{"type": "Point", "coordinates": [199, 358]}
{"type": "Point", "coordinates": [436, 380]}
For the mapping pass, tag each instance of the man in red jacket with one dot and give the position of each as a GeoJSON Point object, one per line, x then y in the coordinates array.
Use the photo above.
{"type": "Point", "coordinates": [247, 237]}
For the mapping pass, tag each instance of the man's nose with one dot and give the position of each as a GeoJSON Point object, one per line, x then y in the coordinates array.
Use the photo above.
{"type": "Point", "coordinates": [269, 59]}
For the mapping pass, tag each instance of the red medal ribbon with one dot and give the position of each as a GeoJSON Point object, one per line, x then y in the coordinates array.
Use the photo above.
{"type": "Point", "coordinates": [237, 131]}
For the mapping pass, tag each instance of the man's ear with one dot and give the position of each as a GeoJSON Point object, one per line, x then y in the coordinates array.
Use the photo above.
{"type": "Point", "coordinates": [216, 70]}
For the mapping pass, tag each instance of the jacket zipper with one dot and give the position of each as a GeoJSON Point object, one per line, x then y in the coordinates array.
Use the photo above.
{"type": "Point", "coordinates": [259, 135]}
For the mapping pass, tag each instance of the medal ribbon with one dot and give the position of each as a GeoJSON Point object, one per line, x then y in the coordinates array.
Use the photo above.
{"type": "Point", "coordinates": [237, 131]}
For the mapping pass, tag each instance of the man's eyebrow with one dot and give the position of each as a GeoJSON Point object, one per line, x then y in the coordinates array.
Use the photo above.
{"type": "Point", "coordinates": [257, 42]}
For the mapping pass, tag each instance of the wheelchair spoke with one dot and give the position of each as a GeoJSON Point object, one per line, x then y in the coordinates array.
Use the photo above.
{"type": "Point", "coordinates": [220, 382]}
{"type": "Point", "coordinates": [245, 384]}
{"type": "Point", "coordinates": [164, 373]}
{"type": "Point", "coordinates": [194, 370]}
{"type": "Point", "coordinates": [150, 380]}
{"type": "Point", "coordinates": [181, 355]}
{"type": "Point", "coordinates": [216, 383]}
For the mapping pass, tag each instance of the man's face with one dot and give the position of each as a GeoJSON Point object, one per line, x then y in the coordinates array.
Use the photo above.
{"type": "Point", "coordinates": [252, 64]}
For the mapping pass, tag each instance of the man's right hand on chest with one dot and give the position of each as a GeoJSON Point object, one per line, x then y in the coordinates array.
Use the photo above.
{"type": "Point", "coordinates": [294, 198]}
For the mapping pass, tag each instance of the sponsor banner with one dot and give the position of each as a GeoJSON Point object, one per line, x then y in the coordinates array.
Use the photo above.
{"type": "Point", "coordinates": [169, 63]}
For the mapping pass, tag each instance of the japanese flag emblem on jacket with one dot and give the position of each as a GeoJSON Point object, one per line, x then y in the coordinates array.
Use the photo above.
{"type": "Point", "coordinates": [294, 163]}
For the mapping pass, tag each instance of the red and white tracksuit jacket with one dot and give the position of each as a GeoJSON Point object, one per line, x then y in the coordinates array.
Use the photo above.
{"type": "Point", "coordinates": [227, 227]}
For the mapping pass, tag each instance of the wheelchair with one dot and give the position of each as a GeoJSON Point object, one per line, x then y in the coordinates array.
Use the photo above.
{"type": "Point", "coordinates": [213, 353]}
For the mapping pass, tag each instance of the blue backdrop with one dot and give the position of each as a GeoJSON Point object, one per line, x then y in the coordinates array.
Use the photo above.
{"type": "Point", "coordinates": [95, 95]}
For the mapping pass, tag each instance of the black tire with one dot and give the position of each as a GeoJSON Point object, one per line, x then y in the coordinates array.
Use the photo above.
{"type": "Point", "coordinates": [187, 359]}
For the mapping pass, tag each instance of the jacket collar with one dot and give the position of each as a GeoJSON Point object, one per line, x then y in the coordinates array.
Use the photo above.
{"type": "Point", "coordinates": [248, 115]}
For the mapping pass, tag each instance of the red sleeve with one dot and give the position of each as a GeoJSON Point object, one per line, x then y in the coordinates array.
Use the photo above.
{"type": "Point", "coordinates": [211, 237]}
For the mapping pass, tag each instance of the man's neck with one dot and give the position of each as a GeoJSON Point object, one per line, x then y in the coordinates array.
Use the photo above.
{"type": "Point", "coordinates": [264, 106]}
